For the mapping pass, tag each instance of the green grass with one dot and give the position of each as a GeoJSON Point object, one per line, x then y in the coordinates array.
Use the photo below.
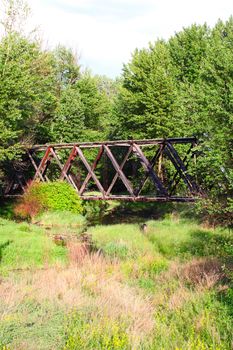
{"type": "Point", "coordinates": [36, 325]}
{"type": "Point", "coordinates": [165, 240]}
{"type": "Point", "coordinates": [62, 222]}
{"type": "Point", "coordinates": [61, 218]}
{"type": "Point", "coordinates": [25, 246]}
{"type": "Point", "coordinates": [200, 323]}
{"type": "Point", "coordinates": [122, 240]}
{"type": "Point", "coordinates": [181, 269]}
{"type": "Point", "coordinates": [185, 239]}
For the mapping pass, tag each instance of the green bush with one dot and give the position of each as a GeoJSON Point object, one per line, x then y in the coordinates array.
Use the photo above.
{"type": "Point", "coordinates": [49, 196]}
{"type": "Point", "coordinates": [6, 209]}
{"type": "Point", "coordinates": [95, 210]}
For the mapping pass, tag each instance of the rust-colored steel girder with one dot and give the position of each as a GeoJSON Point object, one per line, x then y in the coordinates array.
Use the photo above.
{"type": "Point", "coordinates": [135, 151]}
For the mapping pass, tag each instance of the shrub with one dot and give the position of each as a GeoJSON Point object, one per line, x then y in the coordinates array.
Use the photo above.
{"type": "Point", "coordinates": [95, 210]}
{"type": "Point", "coordinates": [6, 209]}
{"type": "Point", "coordinates": [216, 212]}
{"type": "Point", "coordinates": [53, 196]}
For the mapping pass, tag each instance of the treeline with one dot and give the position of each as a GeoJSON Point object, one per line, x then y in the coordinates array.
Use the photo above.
{"type": "Point", "coordinates": [179, 87]}
{"type": "Point", "coordinates": [184, 87]}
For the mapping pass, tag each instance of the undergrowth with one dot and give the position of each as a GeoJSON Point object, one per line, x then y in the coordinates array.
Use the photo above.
{"type": "Point", "coordinates": [167, 288]}
{"type": "Point", "coordinates": [85, 332]}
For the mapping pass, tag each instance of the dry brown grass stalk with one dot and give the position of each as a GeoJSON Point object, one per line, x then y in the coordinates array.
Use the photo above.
{"type": "Point", "coordinates": [192, 278]}
{"type": "Point", "coordinates": [204, 273]}
{"type": "Point", "coordinates": [77, 252]}
{"type": "Point", "coordinates": [94, 283]}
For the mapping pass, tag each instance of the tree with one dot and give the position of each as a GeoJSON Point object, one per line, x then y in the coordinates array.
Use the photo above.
{"type": "Point", "coordinates": [67, 67]}
{"type": "Point", "coordinates": [205, 106]}
{"type": "Point", "coordinates": [68, 123]}
{"type": "Point", "coordinates": [188, 50]}
{"type": "Point", "coordinates": [27, 95]}
{"type": "Point", "coordinates": [146, 102]}
{"type": "Point", "coordinates": [97, 107]}
{"type": "Point", "coordinates": [85, 101]}
{"type": "Point", "coordinates": [27, 89]}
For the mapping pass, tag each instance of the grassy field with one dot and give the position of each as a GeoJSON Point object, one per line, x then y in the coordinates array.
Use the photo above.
{"type": "Point", "coordinates": [167, 287]}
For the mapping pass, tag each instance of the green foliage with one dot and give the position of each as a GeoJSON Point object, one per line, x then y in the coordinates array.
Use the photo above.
{"type": "Point", "coordinates": [58, 196]}
{"type": "Point", "coordinates": [188, 51]}
{"type": "Point", "coordinates": [95, 210]}
{"type": "Point", "coordinates": [94, 101]}
{"type": "Point", "coordinates": [84, 333]}
{"type": "Point", "coordinates": [147, 98]}
{"type": "Point", "coordinates": [62, 219]}
{"type": "Point", "coordinates": [84, 106]}
{"type": "Point", "coordinates": [7, 209]}
{"type": "Point", "coordinates": [27, 94]}
{"type": "Point", "coordinates": [205, 100]}
{"type": "Point", "coordinates": [67, 67]}
{"type": "Point", "coordinates": [68, 124]}
{"type": "Point", "coordinates": [52, 196]}
{"type": "Point", "coordinates": [184, 87]}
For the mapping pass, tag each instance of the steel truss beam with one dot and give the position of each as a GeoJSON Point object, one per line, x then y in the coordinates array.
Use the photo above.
{"type": "Point", "coordinates": [132, 148]}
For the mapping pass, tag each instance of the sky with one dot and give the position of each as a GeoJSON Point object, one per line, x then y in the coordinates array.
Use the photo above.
{"type": "Point", "coordinates": [104, 33]}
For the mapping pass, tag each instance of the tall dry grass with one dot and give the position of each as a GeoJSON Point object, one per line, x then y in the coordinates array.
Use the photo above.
{"type": "Point", "coordinates": [187, 281]}
{"type": "Point", "coordinates": [92, 282]}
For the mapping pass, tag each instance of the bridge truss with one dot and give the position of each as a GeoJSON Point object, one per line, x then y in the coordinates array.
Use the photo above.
{"type": "Point", "coordinates": [134, 170]}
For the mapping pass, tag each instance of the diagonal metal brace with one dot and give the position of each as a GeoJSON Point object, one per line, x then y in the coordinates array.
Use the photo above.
{"type": "Point", "coordinates": [119, 171]}
{"type": "Point", "coordinates": [121, 167]}
{"type": "Point", "coordinates": [180, 167]}
{"type": "Point", "coordinates": [41, 169]}
{"type": "Point", "coordinates": [93, 167]}
{"type": "Point", "coordinates": [152, 163]}
{"type": "Point", "coordinates": [149, 169]}
{"type": "Point", "coordinates": [90, 171]}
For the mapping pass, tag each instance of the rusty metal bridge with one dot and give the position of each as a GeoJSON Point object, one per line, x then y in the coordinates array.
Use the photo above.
{"type": "Point", "coordinates": [135, 170]}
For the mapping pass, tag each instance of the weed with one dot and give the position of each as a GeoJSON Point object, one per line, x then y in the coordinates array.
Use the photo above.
{"type": "Point", "coordinates": [87, 333]}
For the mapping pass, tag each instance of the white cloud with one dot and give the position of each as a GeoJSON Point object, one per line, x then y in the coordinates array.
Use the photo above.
{"type": "Point", "coordinates": [105, 38]}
